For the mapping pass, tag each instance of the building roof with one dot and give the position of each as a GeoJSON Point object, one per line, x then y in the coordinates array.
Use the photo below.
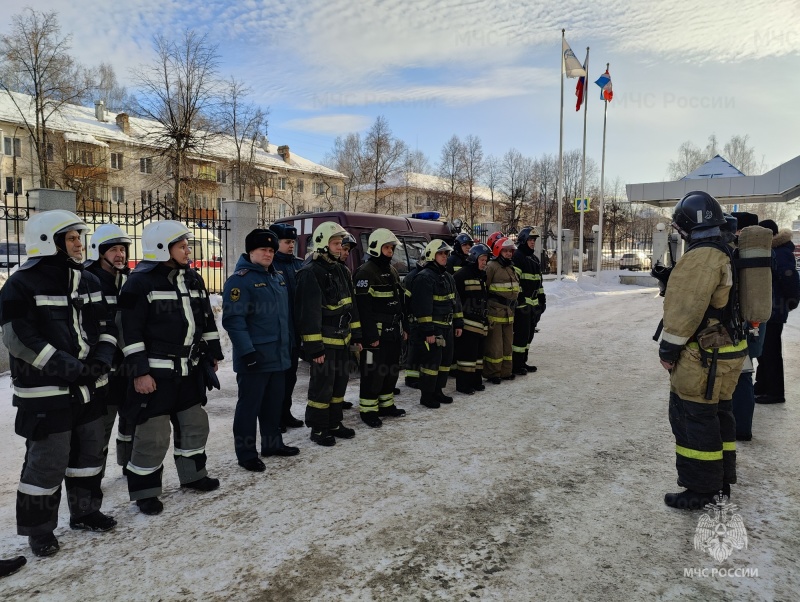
{"type": "Point", "coordinates": [717, 167]}
{"type": "Point", "coordinates": [80, 124]}
{"type": "Point", "coordinates": [427, 182]}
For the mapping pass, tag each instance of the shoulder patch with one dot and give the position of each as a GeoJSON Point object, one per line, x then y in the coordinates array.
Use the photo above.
{"type": "Point", "coordinates": [235, 294]}
{"type": "Point", "coordinates": [242, 272]}
{"type": "Point", "coordinates": [258, 285]}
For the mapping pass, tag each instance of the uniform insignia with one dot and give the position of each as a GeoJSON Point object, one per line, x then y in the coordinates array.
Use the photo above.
{"type": "Point", "coordinates": [260, 284]}
{"type": "Point", "coordinates": [242, 272]}
{"type": "Point", "coordinates": [235, 294]}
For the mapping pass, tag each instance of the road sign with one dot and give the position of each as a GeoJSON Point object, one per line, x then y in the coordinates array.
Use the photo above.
{"type": "Point", "coordinates": [581, 205]}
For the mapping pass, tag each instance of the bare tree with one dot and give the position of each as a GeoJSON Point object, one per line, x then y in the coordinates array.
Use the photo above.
{"type": "Point", "coordinates": [545, 190]}
{"type": "Point", "coordinates": [690, 157]}
{"type": "Point", "coordinates": [345, 157]}
{"type": "Point", "coordinates": [382, 156]}
{"type": "Point", "coordinates": [451, 169]}
{"type": "Point", "coordinates": [114, 95]}
{"type": "Point", "coordinates": [736, 151]}
{"type": "Point", "coordinates": [179, 91]}
{"type": "Point", "coordinates": [491, 177]}
{"type": "Point", "coordinates": [247, 124]}
{"type": "Point", "coordinates": [472, 164]}
{"type": "Point", "coordinates": [417, 162]}
{"type": "Point", "coordinates": [741, 155]}
{"type": "Point", "coordinates": [515, 185]}
{"type": "Point", "coordinates": [36, 62]}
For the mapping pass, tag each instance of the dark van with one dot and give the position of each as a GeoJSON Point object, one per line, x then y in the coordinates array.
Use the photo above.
{"type": "Point", "coordinates": [412, 232]}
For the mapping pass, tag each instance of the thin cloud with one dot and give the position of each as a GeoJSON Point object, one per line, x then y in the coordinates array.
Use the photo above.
{"type": "Point", "coordinates": [334, 125]}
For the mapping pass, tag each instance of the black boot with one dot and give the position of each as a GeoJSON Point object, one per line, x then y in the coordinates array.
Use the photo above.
{"type": "Point", "coordinates": [395, 391]}
{"type": "Point", "coordinates": [412, 383]}
{"type": "Point", "coordinates": [477, 382]}
{"type": "Point", "coordinates": [495, 380]}
{"type": "Point", "coordinates": [347, 405]}
{"type": "Point", "coordinates": [150, 506]}
{"type": "Point", "coordinates": [204, 484]}
{"type": "Point", "coordinates": [521, 371]}
{"type": "Point", "coordinates": [96, 521]}
{"type": "Point", "coordinates": [688, 500]}
{"type": "Point", "coordinates": [371, 419]}
{"type": "Point", "coordinates": [463, 383]}
{"type": "Point", "coordinates": [342, 432]}
{"type": "Point", "coordinates": [12, 565]}
{"type": "Point", "coordinates": [392, 411]}
{"type": "Point", "coordinates": [291, 422]}
{"type": "Point", "coordinates": [530, 368]}
{"type": "Point", "coordinates": [429, 400]}
{"type": "Point", "coordinates": [442, 398]}
{"type": "Point", "coordinates": [323, 437]}
{"type": "Point", "coordinates": [43, 545]}
{"type": "Point", "coordinates": [509, 377]}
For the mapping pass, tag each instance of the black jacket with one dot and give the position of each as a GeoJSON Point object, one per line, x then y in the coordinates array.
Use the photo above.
{"type": "Point", "coordinates": [56, 328]}
{"type": "Point", "coordinates": [474, 296]}
{"type": "Point", "coordinates": [380, 300]}
{"type": "Point", "coordinates": [434, 302]}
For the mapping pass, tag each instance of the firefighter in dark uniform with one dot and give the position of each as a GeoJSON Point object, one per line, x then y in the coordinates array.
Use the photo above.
{"type": "Point", "coordinates": [703, 349]}
{"type": "Point", "coordinates": [349, 244]}
{"type": "Point", "coordinates": [437, 313]}
{"type": "Point", "coordinates": [327, 319]}
{"type": "Point", "coordinates": [461, 246]}
{"type": "Point", "coordinates": [541, 306]}
{"type": "Point", "coordinates": [287, 264]}
{"type": "Point", "coordinates": [471, 286]}
{"type": "Point", "coordinates": [108, 260]}
{"type": "Point", "coordinates": [61, 347]}
{"type": "Point", "coordinates": [380, 298]}
{"type": "Point", "coordinates": [168, 331]}
{"type": "Point", "coordinates": [412, 364]}
{"type": "Point", "coordinates": [527, 312]}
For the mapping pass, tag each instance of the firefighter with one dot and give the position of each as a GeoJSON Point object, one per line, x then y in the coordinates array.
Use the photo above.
{"type": "Point", "coordinates": [169, 335]}
{"type": "Point", "coordinates": [412, 364]}
{"type": "Point", "coordinates": [107, 258]}
{"type": "Point", "coordinates": [327, 320]}
{"type": "Point", "coordinates": [437, 312]}
{"type": "Point", "coordinates": [503, 284]}
{"type": "Point", "coordinates": [255, 312]}
{"type": "Point", "coordinates": [61, 347]}
{"type": "Point", "coordinates": [703, 349]}
{"type": "Point", "coordinates": [348, 244]}
{"type": "Point", "coordinates": [526, 316]}
{"type": "Point", "coordinates": [287, 264]}
{"type": "Point", "coordinates": [461, 246]}
{"type": "Point", "coordinates": [539, 292]}
{"type": "Point", "coordinates": [380, 297]}
{"type": "Point", "coordinates": [471, 286]}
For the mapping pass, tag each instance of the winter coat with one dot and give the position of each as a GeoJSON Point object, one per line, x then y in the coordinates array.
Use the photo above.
{"type": "Point", "coordinates": [434, 302]}
{"type": "Point", "coordinates": [530, 280]}
{"type": "Point", "coordinates": [503, 284]}
{"type": "Point", "coordinates": [456, 261]}
{"type": "Point", "coordinates": [167, 323]}
{"type": "Point", "coordinates": [785, 280]}
{"type": "Point", "coordinates": [380, 298]}
{"type": "Point", "coordinates": [55, 326]}
{"type": "Point", "coordinates": [474, 295]}
{"type": "Point", "coordinates": [255, 312]}
{"type": "Point", "coordinates": [287, 265]}
{"type": "Point", "coordinates": [325, 313]}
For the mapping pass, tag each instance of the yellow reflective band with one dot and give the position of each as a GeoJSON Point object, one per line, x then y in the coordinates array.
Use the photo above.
{"type": "Point", "coordinates": [317, 405]}
{"type": "Point", "coordinates": [473, 287]}
{"type": "Point", "coordinates": [728, 446]}
{"type": "Point", "coordinates": [368, 405]}
{"type": "Point", "coordinates": [408, 293]}
{"type": "Point", "coordinates": [444, 368]}
{"type": "Point", "coordinates": [308, 338]}
{"type": "Point", "coordinates": [492, 360]}
{"type": "Point", "coordinates": [425, 319]}
{"type": "Point", "coordinates": [354, 325]}
{"type": "Point", "coordinates": [468, 322]}
{"type": "Point", "coordinates": [429, 372]}
{"type": "Point", "coordinates": [448, 297]}
{"type": "Point", "coordinates": [507, 358]}
{"type": "Point", "coordinates": [698, 455]}
{"type": "Point", "coordinates": [342, 303]}
{"type": "Point", "coordinates": [336, 341]}
{"type": "Point", "coordinates": [527, 276]}
{"type": "Point", "coordinates": [493, 319]}
{"type": "Point", "coordinates": [458, 314]}
{"type": "Point", "coordinates": [440, 323]}
{"type": "Point", "coordinates": [518, 349]}
{"type": "Point", "coordinates": [337, 399]}
{"type": "Point", "coordinates": [412, 373]}
{"type": "Point", "coordinates": [373, 293]}
{"type": "Point", "coordinates": [472, 282]}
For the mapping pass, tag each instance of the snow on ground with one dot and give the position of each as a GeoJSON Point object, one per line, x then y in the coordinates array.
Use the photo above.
{"type": "Point", "coordinates": [549, 487]}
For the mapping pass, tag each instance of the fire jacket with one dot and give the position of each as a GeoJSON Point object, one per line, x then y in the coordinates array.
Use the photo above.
{"type": "Point", "coordinates": [530, 279]}
{"type": "Point", "coordinates": [503, 284]}
{"type": "Point", "coordinates": [60, 341]}
{"type": "Point", "coordinates": [474, 296]}
{"type": "Point", "coordinates": [111, 284]}
{"type": "Point", "coordinates": [380, 299]}
{"type": "Point", "coordinates": [434, 301]}
{"type": "Point", "coordinates": [325, 314]}
{"type": "Point", "coordinates": [166, 321]}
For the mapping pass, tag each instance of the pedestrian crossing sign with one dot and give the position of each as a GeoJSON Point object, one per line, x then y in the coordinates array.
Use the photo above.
{"type": "Point", "coordinates": [581, 205]}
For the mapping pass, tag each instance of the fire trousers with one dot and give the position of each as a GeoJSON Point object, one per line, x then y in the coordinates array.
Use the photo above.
{"type": "Point", "coordinates": [523, 335]}
{"type": "Point", "coordinates": [497, 358]}
{"type": "Point", "coordinates": [380, 367]}
{"type": "Point", "coordinates": [434, 360]}
{"type": "Point", "coordinates": [469, 359]}
{"type": "Point", "coordinates": [326, 388]}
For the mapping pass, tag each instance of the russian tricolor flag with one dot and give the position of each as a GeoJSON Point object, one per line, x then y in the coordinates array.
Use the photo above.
{"type": "Point", "coordinates": [606, 91]}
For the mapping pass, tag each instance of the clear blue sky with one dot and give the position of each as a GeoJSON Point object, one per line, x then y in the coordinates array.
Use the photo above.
{"type": "Point", "coordinates": [681, 70]}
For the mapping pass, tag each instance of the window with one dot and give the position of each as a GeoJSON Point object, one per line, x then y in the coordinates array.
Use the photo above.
{"type": "Point", "coordinates": [14, 144]}
{"type": "Point", "coordinates": [319, 188]}
{"type": "Point", "coordinates": [300, 185]}
{"type": "Point", "coordinates": [282, 210]}
{"type": "Point", "coordinates": [10, 185]}
{"type": "Point", "coordinates": [334, 190]}
{"type": "Point", "coordinates": [220, 199]}
{"type": "Point", "coordinates": [206, 172]}
{"type": "Point", "coordinates": [86, 157]}
{"type": "Point", "coordinates": [281, 183]}
{"type": "Point", "coordinates": [418, 201]}
{"type": "Point", "coordinates": [147, 197]}
{"type": "Point", "coordinates": [168, 197]}
{"type": "Point", "coordinates": [116, 160]}
{"type": "Point", "coordinates": [146, 165]}
{"type": "Point", "coordinates": [118, 194]}
{"type": "Point", "coordinates": [222, 176]}
{"type": "Point", "coordinates": [170, 169]}
{"type": "Point", "coordinates": [317, 209]}
{"type": "Point", "coordinates": [51, 154]}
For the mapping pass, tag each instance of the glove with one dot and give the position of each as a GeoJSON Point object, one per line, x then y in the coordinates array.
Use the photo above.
{"type": "Point", "coordinates": [669, 352]}
{"type": "Point", "coordinates": [251, 360]}
{"type": "Point", "coordinates": [791, 303]}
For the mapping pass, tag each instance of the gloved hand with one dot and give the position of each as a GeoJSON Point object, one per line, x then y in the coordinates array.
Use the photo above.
{"type": "Point", "coordinates": [669, 352]}
{"type": "Point", "coordinates": [88, 376]}
{"type": "Point", "coordinates": [791, 303]}
{"type": "Point", "coordinates": [251, 360]}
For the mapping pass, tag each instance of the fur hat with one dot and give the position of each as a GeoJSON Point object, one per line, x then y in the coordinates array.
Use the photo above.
{"type": "Point", "coordinates": [745, 219]}
{"type": "Point", "coordinates": [259, 238]}
{"type": "Point", "coordinates": [769, 224]}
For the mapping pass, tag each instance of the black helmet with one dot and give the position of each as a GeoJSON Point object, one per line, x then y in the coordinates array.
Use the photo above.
{"type": "Point", "coordinates": [284, 231]}
{"type": "Point", "coordinates": [695, 211]}
{"type": "Point", "coordinates": [463, 239]}
{"type": "Point", "coordinates": [526, 233]}
{"type": "Point", "coordinates": [350, 241]}
{"type": "Point", "coordinates": [476, 251]}
{"type": "Point", "coordinates": [731, 223]}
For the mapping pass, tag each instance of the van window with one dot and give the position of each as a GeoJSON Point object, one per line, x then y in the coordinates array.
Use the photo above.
{"type": "Point", "coordinates": [411, 247]}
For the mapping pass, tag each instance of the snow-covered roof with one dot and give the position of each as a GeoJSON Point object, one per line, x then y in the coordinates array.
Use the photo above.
{"type": "Point", "coordinates": [421, 181]}
{"type": "Point", "coordinates": [83, 138]}
{"type": "Point", "coordinates": [75, 120]}
{"type": "Point", "coordinates": [717, 167]}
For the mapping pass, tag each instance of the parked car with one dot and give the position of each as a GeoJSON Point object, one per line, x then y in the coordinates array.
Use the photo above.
{"type": "Point", "coordinates": [12, 254]}
{"type": "Point", "coordinates": [635, 261]}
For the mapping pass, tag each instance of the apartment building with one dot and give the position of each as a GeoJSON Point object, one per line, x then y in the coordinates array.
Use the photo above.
{"type": "Point", "coordinates": [110, 159]}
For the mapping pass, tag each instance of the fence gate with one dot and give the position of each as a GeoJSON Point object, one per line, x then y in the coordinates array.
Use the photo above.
{"type": "Point", "coordinates": [209, 230]}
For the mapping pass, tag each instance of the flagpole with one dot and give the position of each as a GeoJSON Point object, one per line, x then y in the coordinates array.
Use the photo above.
{"type": "Point", "coordinates": [583, 166]}
{"type": "Point", "coordinates": [602, 182]}
{"type": "Point", "coordinates": [560, 187]}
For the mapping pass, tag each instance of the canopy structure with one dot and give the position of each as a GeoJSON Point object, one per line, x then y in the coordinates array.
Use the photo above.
{"type": "Point", "coordinates": [725, 183]}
